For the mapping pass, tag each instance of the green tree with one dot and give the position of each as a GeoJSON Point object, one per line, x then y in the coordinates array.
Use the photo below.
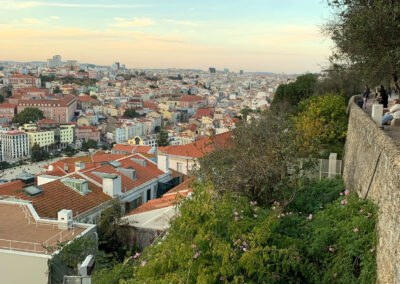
{"type": "Point", "coordinates": [261, 161]}
{"type": "Point", "coordinates": [131, 113]}
{"type": "Point", "coordinates": [293, 93]}
{"type": "Point", "coordinates": [245, 112]}
{"type": "Point", "coordinates": [113, 234]}
{"type": "Point", "coordinates": [366, 36]}
{"type": "Point", "coordinates": [322, 120]}
{"type": "Point", "coordinates": [57, 90]}
{"type": "Point", "coordinates": [90, 144]}
{"type": "Point", "coordinates": [38, 154]}
{"type": "Point", "coordinates": [162, 138]}
{"type": "Point", "coordinates": [340, 80]}
{"type": "Point", "coordinates": [27, 115]}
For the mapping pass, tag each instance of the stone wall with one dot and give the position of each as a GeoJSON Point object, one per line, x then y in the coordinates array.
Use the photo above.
{"type": "Point", "coordinates": [372, 167]}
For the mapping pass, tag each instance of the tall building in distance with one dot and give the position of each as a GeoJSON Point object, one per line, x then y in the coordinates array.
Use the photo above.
{"type": "Point", "coordinates": [212, 70]}
{"type": "Point", "coordinates": [241, 72]}
{"type": "Point", "coordinates": [226, 70]}
{"type": "Point", "coordinates": [54, 62]}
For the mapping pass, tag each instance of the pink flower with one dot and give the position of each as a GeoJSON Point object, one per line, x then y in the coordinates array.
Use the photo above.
{"type": "Point", "coordinates": [346, 192]}
{"type": "Point", "coordinates": [278, 216]}
{"type": "Point", "coordinates": [235, 213]}
{"type": "Point", "coordinates": [369, 215]}
{"type": "Point", "coordinates": [273, 208]}
{"type": "Point", "coordinates": [341, 193]}
{"type": "Point", "coordinates": [334, 275]}
{"type": "Point", "coordinates": [255, 209]}
{"type": "Point", "coordinates": [361, 211]}
{"type": "Point", "coordinates": [221, 278]}
{"type": "Point", "coordinates": [245, 244]}
{"type": "Point", "coordinates": [244, 249]}
{"type": "Point", "coordinates": [330, 249]}
{"type": "Point", "coordinates": [136, 255]}
{"type": "Point", "coordinates": [309, 217]}
{"type": "Point", "coordinates": [372, 250]}
{"type": "Point", "coordinates": [255, 215]}
{"type": "Point", "coordinates": [355, 230]}
{"type": "Point", "coordinates": [344, 201]}
{"type": "Point", "coordinates": [236, 219]}
{"type": "Point", "coordinates": [252, 203]}
{"type": "Point", "coordinates": [241, 217]}
{"type": "Point", "coordinates": [143, 263]}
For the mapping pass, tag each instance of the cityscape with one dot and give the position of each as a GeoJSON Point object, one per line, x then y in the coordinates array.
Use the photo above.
{"type": "Point", "coordinates": [199, 142]}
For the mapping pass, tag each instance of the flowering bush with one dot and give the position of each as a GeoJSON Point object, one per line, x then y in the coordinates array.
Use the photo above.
{"type": "Point", "coordinates": [221, 239]}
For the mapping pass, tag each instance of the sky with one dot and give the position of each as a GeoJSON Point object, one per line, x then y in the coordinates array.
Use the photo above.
{"type": "Point", "coordinates": [253, 35]}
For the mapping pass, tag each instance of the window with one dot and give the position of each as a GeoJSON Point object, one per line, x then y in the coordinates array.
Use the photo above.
{"type": "Point", "coordinates": [137, 202]}
{"type": "Point", "coordinates": [148, 194]}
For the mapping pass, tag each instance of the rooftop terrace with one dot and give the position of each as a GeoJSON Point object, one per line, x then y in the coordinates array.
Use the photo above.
{"type": "Point", "coordinates": [20, 231]}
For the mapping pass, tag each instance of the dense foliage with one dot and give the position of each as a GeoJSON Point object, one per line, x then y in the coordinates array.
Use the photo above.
{"type": "Point", "coordinates": [38, 154]}
{"type": "Point", "coordinates": [294, 92]}
{"type": "Point", "coordinates": [90, 144]}
{"type": "Point", "coordinates": [113, 236]}
{"type": "Point", "coordinates": [327, 235]}
{"type": "Point", "coordinates": [162, 138]}
{"type": "Point", "coordinates": [366, 35]}
{"type": "Point", "coordinates": [261, 161]}
{"type": "Point", "coordinates": [30, 114]}
{"type": "Point", "coordinates": [130, 113]}
{"type": "Point", "coordinates": [323, 122]}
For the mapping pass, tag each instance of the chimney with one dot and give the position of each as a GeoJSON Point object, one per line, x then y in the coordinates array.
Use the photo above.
{"type": "Point", "coordinates": [66, 167]}
{"type": "Point", "coordinates": [163, 162]}
{"type": "Point", "coordinates": [64, 218]}
{"type": "Point", "coordinates": [141, 162]}
{"type": "Point", "coordinates": [79, 166]}
{"type": "Point", "coordinates": [112, 185]}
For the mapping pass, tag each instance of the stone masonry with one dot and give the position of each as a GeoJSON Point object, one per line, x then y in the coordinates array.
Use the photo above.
{"type": "Point", "coordinates": [372, 168]}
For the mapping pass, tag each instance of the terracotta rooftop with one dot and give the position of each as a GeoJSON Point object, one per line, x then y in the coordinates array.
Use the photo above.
{"type": "Point", "coordinates": [191, 98]}
{"type": "Point", "coordinates": [168, 199]}
{"type": "Point", "coordinates": [19, 230]}
{"type": "Point", "coordinates": [57, 196]}
{"type": "Point", "coordinates": [199, 148]}
{"type": "Point", "coordinates": [131, 148]}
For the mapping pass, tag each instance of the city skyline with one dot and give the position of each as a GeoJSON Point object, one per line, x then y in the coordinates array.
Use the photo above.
{"type": "Point", "coordinates": [256, 37]}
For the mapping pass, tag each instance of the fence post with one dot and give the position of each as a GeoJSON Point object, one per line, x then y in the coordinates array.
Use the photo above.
{"type": "Point", "coordinates": [332, 165]}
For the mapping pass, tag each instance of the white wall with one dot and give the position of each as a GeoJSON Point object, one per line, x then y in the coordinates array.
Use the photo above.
{"type": "Point", "coordinates": [18, 268]}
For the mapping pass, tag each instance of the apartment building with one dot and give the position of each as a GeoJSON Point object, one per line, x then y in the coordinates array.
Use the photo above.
{"type": "Point", "coordinates": [22, 81]}
{"type": "Point", "coordinates": [60, 109]}
{"type": "Point", "coordinates": [15, 146]}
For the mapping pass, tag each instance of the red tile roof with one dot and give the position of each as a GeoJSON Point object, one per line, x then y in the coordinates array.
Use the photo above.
{"type": "Point", "coordinates": [168, 199]}
{"type": "Point", "coordinates": [199, 148]}
{"type": "Point", "coordinates": [131, 148]}
{"type": "Point", "coordinates": [143, 174]}
{"type": "Point", "coordinates": [57, 196]}
{"type": "Point", "coordinates": [191, 98]}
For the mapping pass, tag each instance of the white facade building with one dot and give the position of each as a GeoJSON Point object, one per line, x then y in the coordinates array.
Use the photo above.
{"type": "Point", "coordinates": [15, 146]}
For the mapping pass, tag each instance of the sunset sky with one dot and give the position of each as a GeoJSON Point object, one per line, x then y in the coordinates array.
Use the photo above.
{"type": "Point", "coordinates": [254, 35]}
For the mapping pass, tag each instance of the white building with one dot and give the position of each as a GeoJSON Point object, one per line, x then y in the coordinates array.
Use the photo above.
{"type": "Point", "coordinates": [54, 62]}
{"type": "Point", "coordinates": [15, 146]}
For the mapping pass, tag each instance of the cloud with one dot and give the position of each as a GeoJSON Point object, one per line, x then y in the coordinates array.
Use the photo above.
{"type": "Point", "coordinates": [54, 17]}
{"type": "Point", "coordinates": [182, 23]}
{"type": "Point", "coordinates": [135, 22]}
{"type": "Point", "coordinates": [31, 20]}
{"type": "Point", "coordinates": [10, 4]}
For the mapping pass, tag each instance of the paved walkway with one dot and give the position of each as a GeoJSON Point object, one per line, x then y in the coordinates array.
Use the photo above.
{"type": "Point", "coordinates": [34, 169]}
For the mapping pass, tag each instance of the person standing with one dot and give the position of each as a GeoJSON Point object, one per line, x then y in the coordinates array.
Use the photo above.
{"type": "Point", "coordinates": [383, 97]}
{"type": "Point", "coordinates": [365, 96]}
